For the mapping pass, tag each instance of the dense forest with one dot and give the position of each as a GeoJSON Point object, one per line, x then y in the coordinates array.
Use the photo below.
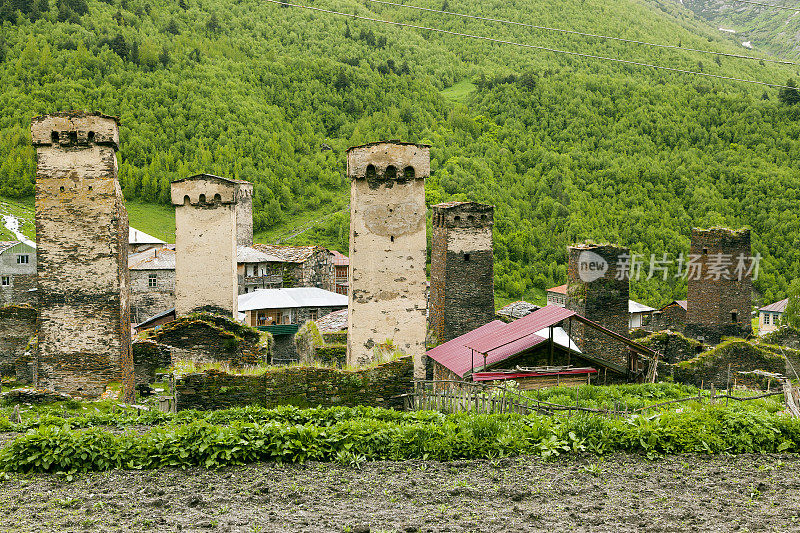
{"type": "Point", "coordinates": [567, 148]}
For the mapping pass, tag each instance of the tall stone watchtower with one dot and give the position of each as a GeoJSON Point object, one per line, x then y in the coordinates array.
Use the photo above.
{"type": "Point", "coordinates": [598, 289]}
{"type": "Point", "coordinates": [206, 233]}
{"type": "Point", "coordinates": [719, 285]}
{"type": "Point", "coordinates": [462, 269]}
{"type": "Point", "coordinates": [387, 250]}
{"type": "Point", "coordinates": [82, 267]}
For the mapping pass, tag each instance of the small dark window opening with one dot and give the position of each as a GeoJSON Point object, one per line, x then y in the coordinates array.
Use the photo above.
{"type": "Point", "coordinates": [54, 137]}
{"type": "Point", "coordinates": [705, 251]}
{"type": "Point", "coordinates": [483, 217]}
{"type": "Point", "coordinates": [471, 218]}
{"type": "Point", "coordinates": [408, 173]}
{"type": "Point", "coordinates": [202, 198]}
{"type": "Point", "coordinates": [699, 349]}
{"type": "Point", "coordinates": [391, 172]}
{"type": "Point", "coordinates": [466, 257]}
{"type": "Point", "coordinates": [186, 200]}
{"type": "Point", "coordinates": [217, 198]}
{"type": "Point", "coordinates": [370, 172]}
{"type": "Point", "coordinates": [90, 187]}
{"type": "Point", "coordinates": [734, 317]}
{"type": "Point", "coordinates": [73, 137]}
{"type": "Point", "coordinates": [457, 218]}
{"type": "Point", "coordinates": [61, 188]}
{"type": "Point", "coordinates": [91, 136]}
{"type": "Point", "coordinates": [391, 238]}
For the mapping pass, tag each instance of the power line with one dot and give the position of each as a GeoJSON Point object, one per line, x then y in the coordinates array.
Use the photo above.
{"type": "Point", "coordinates": [584, 34]}
{"type": "Point", "coordinates": [788, 8]}
{"type": "Point", "coordinates": [532, 46]}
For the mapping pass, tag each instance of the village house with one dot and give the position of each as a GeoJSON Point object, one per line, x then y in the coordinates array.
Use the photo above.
{"type": "Point", "coordinates": [255, 270]}
{"type": "Point", "coordinates": [769, 316]}
{"type": "Point", "coordinates": [341, 270]}
{"type": "Point", "coordinates": [294, 305]}
{"type": "Point", "coordinates": [17, 273]}
{"type": "Point", "coordinates": [152, 282]}
{"type": "Point", "coordinates": [672, 317]}
{"type": "Point", "coordinates": [139, 241]}
{"type": "Point", "coordinates": [298, 266]}
{"type": "Point", "coordinates": [639, 314]}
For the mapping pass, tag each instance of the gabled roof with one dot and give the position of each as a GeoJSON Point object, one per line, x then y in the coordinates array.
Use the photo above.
{"type": "Point", "coordinates": [514, 332]}
{"type": "Point", "coordinates": [333, 322]}
{"type": "Point", "coordinates": [155, 317]}
{"type": "Point", "coordinates": [287, 254]}
{"type": "Point", "coordinates": [153, 259]}
{"type": "Point", "coordinates": [290, 298]}
{"type": "Point", "coordinates": [5, 245]}
{"type": "Point", "coordinates": [246, 254]}
{"type": "Point", "coordinates": [679, 303]}
{"type": "Point", "coordinates": [777, 307]}
{"type": "Point", "coordinates": [339, 259]}
{"type": "Point", "coordinates": [636, 307]}
{"type": "Point", "coordinates": [518, 309]}
{"type": "Point", "coordinates": [136, 236]}
{"type": "Point", "coordinates": [561, 289]}
{"type": "Point", "coordinates": [454, 354]}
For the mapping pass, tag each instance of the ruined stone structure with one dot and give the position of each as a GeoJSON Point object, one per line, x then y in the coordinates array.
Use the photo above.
{"type": "Point", "coordinates": [718, 296]}
{"type": "Point", "coordinates": [244, 214]}
{"type": "Point", "coordinates": [205, 243]}
{"type": "Point", "coordinates": [17, 326]}
{"type": "Point", "coordinates": [387, 250]}
{"type": "Point", "coordinates": [17, 273]}
{"type": "Point", "coordinates": [597, 289]}
{"type": "Point", "coordinates": [82, 237]}
{"type": "Point", "coordinates": [462, 269]}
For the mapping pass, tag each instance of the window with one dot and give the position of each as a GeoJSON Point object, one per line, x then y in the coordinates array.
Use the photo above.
{"type": "Point", "coordinates": [734, 317]}
{"type": "Point", "coordinates": [23, 259]}
{"type": "Point", "coordinates": [312, 315]}
{"type": "Point", "coordinates": [766, 318]}
{"type": "Point", "coordinates": [776, 318]}
{"type": "Point", "coordinates": [466, 257]}
{"type": "Point", "coordinates": [5, 281]}
{"type": "Point", "coordinates": [152, 280]}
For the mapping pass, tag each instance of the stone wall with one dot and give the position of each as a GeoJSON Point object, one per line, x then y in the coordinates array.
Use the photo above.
{"type": "Point", "coordinates": [149, 356]}
{"type": "Point", "coordinates": [21, 276]}
{"type": "Point", "coordinates": [597, 289]}
{"type": "Point", "coordinates": [672, 346]}
{"type": "Point", "coordinates": [205, 244]}
{"type": "Point", "coordinates": [462, 269]}
{"type": "Point", "coordinates": [388, 249]}
{"type": "Point", "coordinates": [17, 326]}
{"type": "Point", "coordinates": [82, 264]}
{"type": "Point", "coordinates": [146, 301]}
{"type": "Point", "coordinates": [671, 317]}
{"type": "Point", "coordinates": [302, 386]}
{"type": "Point", "coordinates": [718, 301]}
{"type": "Point", "coordinates": [244, 214]}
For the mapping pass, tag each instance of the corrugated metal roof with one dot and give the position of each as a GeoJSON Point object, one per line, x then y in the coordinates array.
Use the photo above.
{"type": "Point", "coordinates": [287, 254]}
{"type": "Point", "coordinates": [5, 245]}
{"type": "Point", "coordinates": [136, 236]}
{"type": "Point", "coordinates": [153, 259]}
{"type": "Point", "coordinates": [561, 289]}
{"type": "Point", "coordinates": [246, 254]}
{"type": "Point", "coordinates": [682, 303]}
{"type": "Point", "coordinates": [290, 298]}
{"type": "Point", "coordinates": [455, 356]}
{"type": "Point", "coordinates": [636, 307]}
{"type": "Point", "coordinates": [777, 307]}
{"type": "Point", "coordinates": [514, 332]}
{"type": "Point", "coordinates": [339, 259]}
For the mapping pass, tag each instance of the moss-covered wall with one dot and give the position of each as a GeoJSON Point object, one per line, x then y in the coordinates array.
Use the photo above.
{"type": "Point", "coordinates": [674, 347]}
{"type": "Point", "coordinates": [148, 356]}
{"type": "Point", "coordinates": [302, 386]}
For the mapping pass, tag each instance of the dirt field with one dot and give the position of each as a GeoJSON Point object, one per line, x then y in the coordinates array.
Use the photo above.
{"type": "Point", "coordinates": [615, 494]}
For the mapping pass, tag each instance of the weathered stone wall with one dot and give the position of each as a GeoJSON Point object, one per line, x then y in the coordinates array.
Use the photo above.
{"type": "Point", "coordinates": [149, 301]}
{"type": "Point", "coordinates": [672, 346]}
{"type": "Point", "coordinates": [82, 236]}
{"type": "Point", "coordinates": [284, 350]}
{"type": "Point", "coordinates": [387, 250]}
{"type": "Point", "coordinates": [718, 302]}
{"type": "Point", "coordinates": [462, 269]}
{"type": "Point", "coordinates": [17, 326]}
{"type": "Point", "coordinates": [671, 317]}
{"type": "Point", "coordinates": [302, 386]}
{"type": "Point", "coordinates": [149, 356]}
{"type": "Point", "coordinates": [22, 276]}
{"type": "Point", "coordinates": [205, 244]}
{"type": "Point", "coordinates": [595, 292]}
{"type": "Point", "coordinates": [208, 339]}
{"type": "Point", "coordinates": [244, 214]}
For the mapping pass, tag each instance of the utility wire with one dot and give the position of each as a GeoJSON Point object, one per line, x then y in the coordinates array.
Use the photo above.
{"type": "Point", "coordinates": [788, 8]}
{"type": "Point", "coordinates": [573, 32]}
{"type": "Point", "coordinates": [534, 47]}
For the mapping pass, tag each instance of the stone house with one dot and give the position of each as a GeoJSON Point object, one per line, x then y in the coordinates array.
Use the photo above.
{"type": "Point", "coordinates": [769, 316]}
{"type": "Point", "coordinates": [256, 270]}
{"type": "Point", "coordinates": [672, 316]}
{"type": "Point", "coordinates": [298, 266]}
{"type": "Point", "coordinates": [639, 315]}
{"type": "Point", "coordinates": [341, 270]}
{"type": "Point", "coordinates": [17, 273]}
{"type": "Point", "coordinates": [152, 275]}
{"type": "Point", "coordinates": [295, 305]}
{"type": "Point", "coordinates": [557, 295]}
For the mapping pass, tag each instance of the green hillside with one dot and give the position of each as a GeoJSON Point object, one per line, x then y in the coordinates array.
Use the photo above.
{"type": "Point", "coordinates": [567, 148]}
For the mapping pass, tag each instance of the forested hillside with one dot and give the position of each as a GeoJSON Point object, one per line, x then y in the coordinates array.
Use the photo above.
{"type": "Point", "coordinates": [567, 148]}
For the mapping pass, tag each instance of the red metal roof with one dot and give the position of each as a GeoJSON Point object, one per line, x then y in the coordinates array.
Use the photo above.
{"type": "Point", "coordinates": [513, 333]}
{"type": "Point", "coordinates": [456, 357]}
{"type": "Point", "coordinates": [491, 376]}
{"type": "Point", "coordinates": [561, 289]}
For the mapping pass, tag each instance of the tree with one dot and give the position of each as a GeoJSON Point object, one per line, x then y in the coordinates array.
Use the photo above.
{"type": "Point", "coordinates": [789, 95]}
{"type": "Point", "coordinates": [213, 24]}
{"type": "Point", "coordinates": [791, 316]}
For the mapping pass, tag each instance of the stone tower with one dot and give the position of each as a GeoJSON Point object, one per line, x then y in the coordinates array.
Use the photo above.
{"type": "Point", "coordinates": [597, 289]}
{"type": "Point", "coordinates": [462, 269]}
{"type": "Point", "coordinates": [244, 214]}
{"type": "Point", "coordinates": [387, 250]}
{"type": "Point", "coordinates": [205, 243]}
{"type": "Point", "coordinates": [82, 237]}
{"type": "Point", "coordinates": [719, 285]}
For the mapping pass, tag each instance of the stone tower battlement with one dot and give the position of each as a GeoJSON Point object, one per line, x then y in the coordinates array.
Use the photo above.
{"type": "Point", "coordinates": [387, 250]}
{"type": "Point", "coordinates": [462, 268]}
{"type": "Point", "coordinates": [82, 256]}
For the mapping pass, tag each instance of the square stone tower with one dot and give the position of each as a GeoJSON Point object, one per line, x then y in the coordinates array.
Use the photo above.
{"type": "Point", "coordinates": [598, 289]}
{"type": "Point", "coordinates": [718, 296]}
{"type": "Point", "coordinates": [462, 269]}
{"type": "Point", "coordinates": [82, 267]}
{"type": "Point", "coordinates": [206, 232]}
{"type": "Point", "coordinates": [244, 214]}
{"type": "Point", "coordinates": [388, 249]}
